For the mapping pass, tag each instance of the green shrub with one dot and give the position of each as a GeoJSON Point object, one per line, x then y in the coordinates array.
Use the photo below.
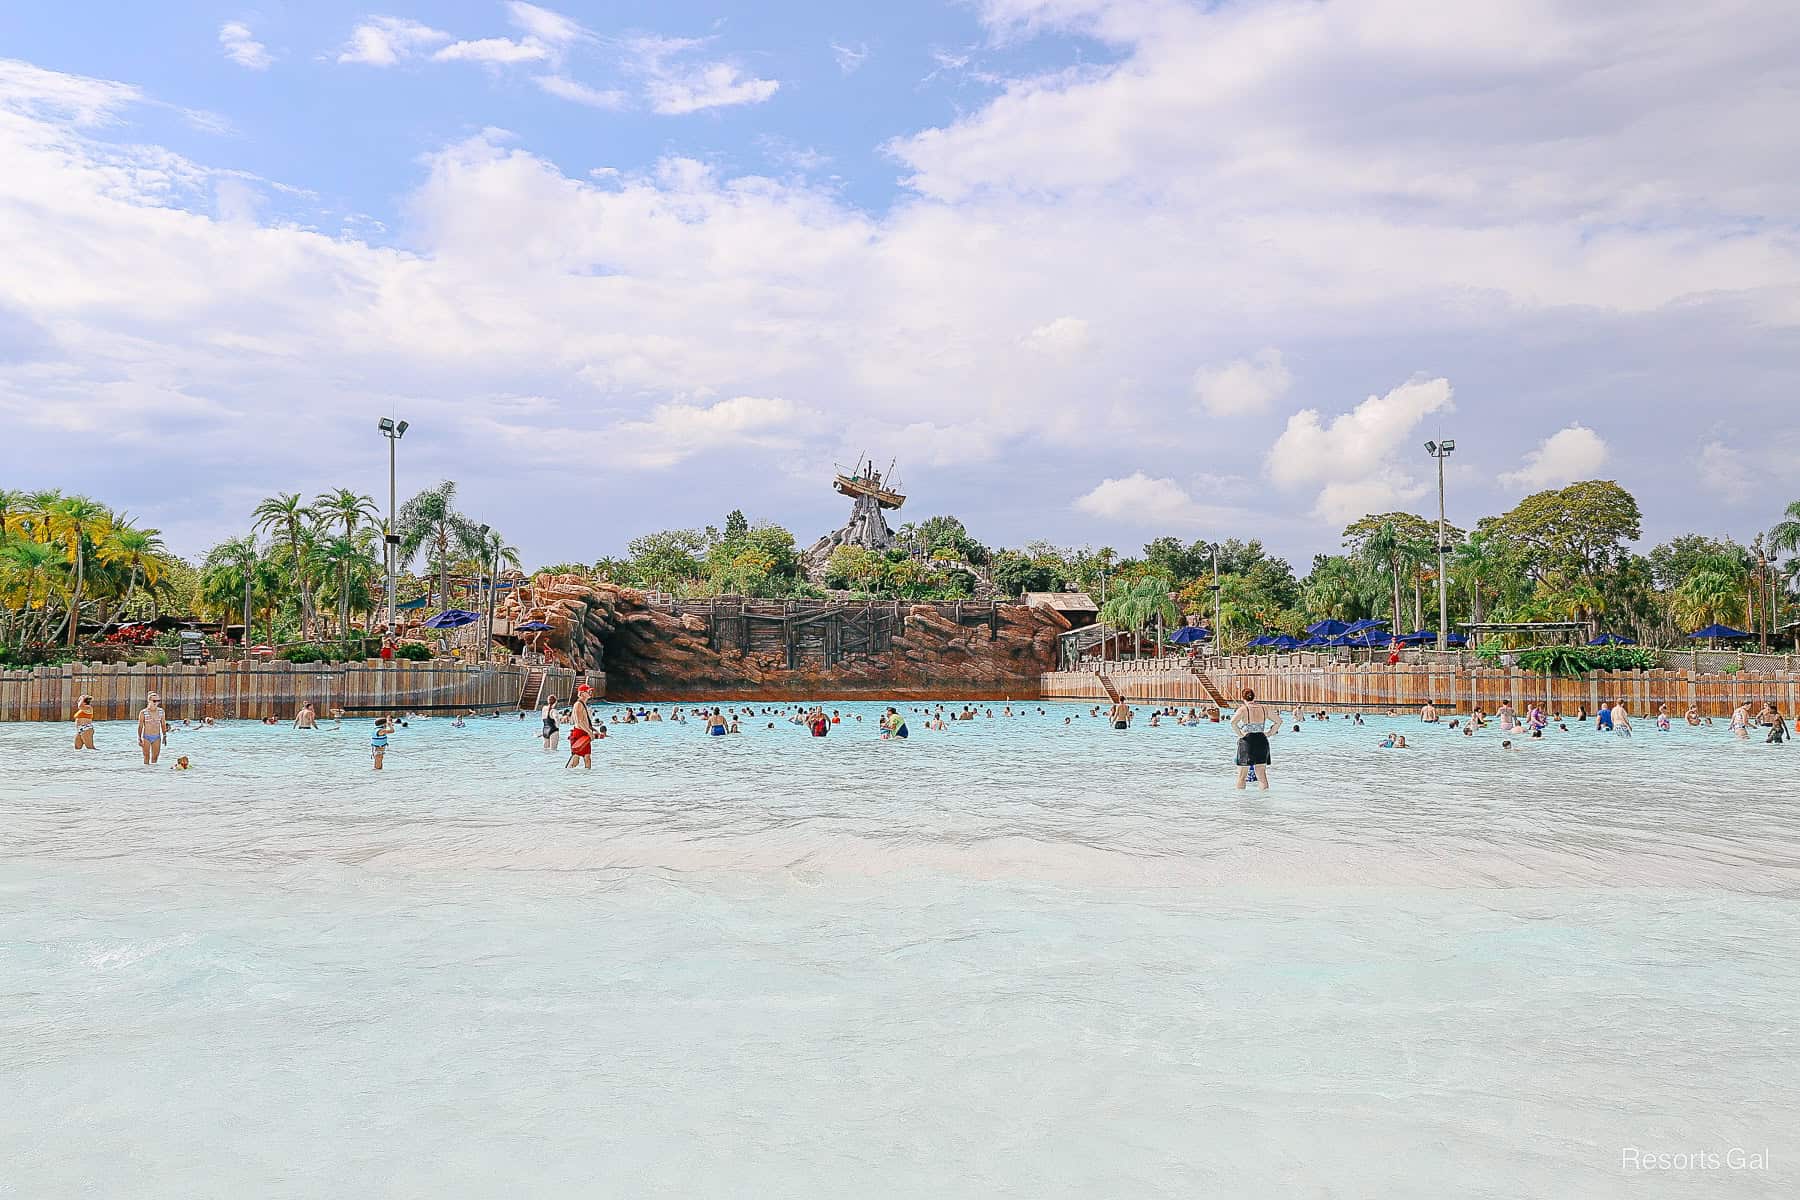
{"type": "Point", "coordinates": [415, 651]}
{"type": "Point", "coordinates": [1623, 658]}
{"type": "Point", "coordinates": [1567, 661]}
{"type": "Point", "coordinates": [304, 653]}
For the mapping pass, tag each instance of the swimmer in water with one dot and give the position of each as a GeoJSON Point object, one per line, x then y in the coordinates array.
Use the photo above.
{"type": "Point", "coordinates": [182, 764]}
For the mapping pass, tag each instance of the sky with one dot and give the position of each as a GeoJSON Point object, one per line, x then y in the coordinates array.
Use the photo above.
{"type": "Point", "coordinates": [1090, 272]}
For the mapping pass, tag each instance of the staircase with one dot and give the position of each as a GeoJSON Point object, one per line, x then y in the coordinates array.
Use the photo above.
{"type": "Point", "coordinates": [532, 694]}
{"type": "Point", "coordinates": [1212, 689]}
{"type": "Point", "coordinates": [1112, 693]}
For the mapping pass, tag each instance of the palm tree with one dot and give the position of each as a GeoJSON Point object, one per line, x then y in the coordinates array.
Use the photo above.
{"type": "Point", "coordinates": [76, 523]}
{"type": "Point", "coordinates": [429, 523]}
{"type": "Point", "coordinates": [139, 551]}
{"type": "Point", "coordinates": [348, 510]}
{"type": "Point", "coordinates": [1474, 561]}
{"type": "Point", "coordinates": [28, 563]}
{"type": "Point", "coordinates": [283, 514]}
{"type": "Point", "coordinates": [232, 577]}
{"type": "Point", "coordinates": [349, 572]}
{"type": "Point", "coordinates": [1712, 592]}
{"type": "Point", "coordinates": [1784, 538]}
{"type": "Point", "coordinates": [1386, 544]}
{"type": "Point", "coordinates": [1145, 600]}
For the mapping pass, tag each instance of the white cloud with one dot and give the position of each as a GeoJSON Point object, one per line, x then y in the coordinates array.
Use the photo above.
{"type": "Point", "coordinates": [1563, 457]}
{"type": "Point", "coordinates": [1062, 338]}
{"type": "Point", "coordinates": [568, 89]}
{"type": "Point", "coordinates": [1725, 472]}
{"type": "Point", "coordinates": [1141, 500]}
{"type": "Point", "coordinates": [1243, 386]}
{"type": "Point", "coordinates": [50, 95]}
{"type": "Point", "coordinates": [714, 85]}
{"type": "Point", "coordinates": [241, 46]}
{"type": "Point", "coordinates": [1351, 459]}
{"type": "Point", "coordinates": [386, 41]}
{"type": "Point", "coordinates": [675, 86]}
{"type": "Point", "coordinates": [850, 58]}
{"type": "Point", "coordinates": [549, 27]}
{"type": "Point", "coordinates": [496, 51]}
{"type": "Point", "coordinates": [679, 430]}
{"type": "Point", "coordinates": [1265, 165]}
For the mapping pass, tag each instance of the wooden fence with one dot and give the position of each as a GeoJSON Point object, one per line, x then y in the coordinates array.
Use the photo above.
{"type": "Point", "coordinates": [1452, 688]}
{"type": "Point", "coordinates": [238, 691]}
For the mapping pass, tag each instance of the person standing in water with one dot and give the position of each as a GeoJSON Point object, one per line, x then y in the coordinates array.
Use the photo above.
{"type": "Point", "coordinates": [306, 718]}
{"type": "Point", "coordinates": [1253, 723]}
{"type": "Point", "coordinates": [378, 741]}
{"type": "Point", "coordinates": [550, 731]}
{"type": "Point", "coordinates": [1120, 716]}
{"type": "Point", "coordinates": [84, 723]}
{"type": "Point", "coordinates": [152, 729]}
{"type": "Point", "coordinates": [581, 730]}
{"type": "Point", "coordinates": [893, 724]}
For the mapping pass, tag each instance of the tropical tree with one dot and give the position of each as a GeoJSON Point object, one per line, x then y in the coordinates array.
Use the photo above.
{"type": "Point", "coordinates": [139, 552]}
{"type": "Point", "coordinates": [348, 511]}
{"type": "Point", "coordinates": [237, 574]}
{"type": "Point", "coordinates": [348, 570]}
{"type": "Point", "coordinates": [1475, 561]}
{"type": "Point", "coordinates": [27, 565]}
{"type": "Point", "coordinates": [430, 524]}
{"type": "Point", "coordinates": [284, 515]}
{"type": "Point", "coordinates": [76, 524]}
{"type": "Point", "coordinates": [1144, 601]}
{"type": "Point", "coordinates": [1714, 592]}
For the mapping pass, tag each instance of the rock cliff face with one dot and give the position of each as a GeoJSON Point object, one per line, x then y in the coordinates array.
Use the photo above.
{"type": "Point", "coordinates": [649, 654]}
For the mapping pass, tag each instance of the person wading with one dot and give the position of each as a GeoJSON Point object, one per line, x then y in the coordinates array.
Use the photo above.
{"type": "Point", "coordinates": [1250, 722]}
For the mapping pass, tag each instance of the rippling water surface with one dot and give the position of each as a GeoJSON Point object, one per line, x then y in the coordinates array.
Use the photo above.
{"type": "Point", "coordinates": [1018, 958]}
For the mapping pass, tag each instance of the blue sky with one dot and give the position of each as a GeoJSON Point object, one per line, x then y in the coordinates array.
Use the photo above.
{"type": "Point", "coordinates": [1092, 271]}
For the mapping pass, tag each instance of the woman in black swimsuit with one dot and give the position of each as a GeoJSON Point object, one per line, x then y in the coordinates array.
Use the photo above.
{"type": "Point", "coordinates": [1249, 721]}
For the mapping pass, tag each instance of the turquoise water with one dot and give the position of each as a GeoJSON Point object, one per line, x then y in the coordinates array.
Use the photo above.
{"type": "Point", "coordinates": [1017, 958]}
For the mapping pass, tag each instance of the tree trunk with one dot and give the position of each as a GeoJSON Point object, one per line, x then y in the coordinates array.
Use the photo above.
{"type": "Point", "coordinates": [1418, 604]}
{"type": "Point", "coordinates": [1394, 572]}
{"type": "Point", "coordinates": [75, 599]}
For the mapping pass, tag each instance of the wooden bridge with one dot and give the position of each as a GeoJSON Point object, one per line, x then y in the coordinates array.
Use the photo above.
{"type": "Point", "coordinates": [819, 631]}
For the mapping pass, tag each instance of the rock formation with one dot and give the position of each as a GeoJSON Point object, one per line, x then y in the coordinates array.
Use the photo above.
{"type": "Point", "coordinates": [648, 653]}
{"type": "Point", "coordinates": [866, 528]}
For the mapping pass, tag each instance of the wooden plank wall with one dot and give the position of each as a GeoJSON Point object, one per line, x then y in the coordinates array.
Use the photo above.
{"type": "Point", "coordinates": [1408, 686]}
{"type": "Point", "coordinates": [235, 691]}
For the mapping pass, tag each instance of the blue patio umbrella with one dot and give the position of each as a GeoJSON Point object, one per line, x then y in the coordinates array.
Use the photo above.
{"type": "Point", "coordinates": [1416, 637]}
{"type": "Point", "coordinates": [530, 627]}
{"type": "Point", "coordinates": [1718, 631]}
{"type": "Point", "coordinates": [1283, 642]}
{"type": "Point", "coordinates": [1189, 633]}
{"type": "Point", "coordinates": [452, 618]}
{"type": "Point", "coordinates": [1261, 639]}
{"type": "Point", "coordinates": [1327, 628]}
{"type": "Point", "coordinates": [1315, 640]}
{"type": "Point", "coordinates": [1612, 639]}
{"type": "Point", "coordinates": [1455, 639]}
{"type": "Point", "coordinates": [1364, 624]}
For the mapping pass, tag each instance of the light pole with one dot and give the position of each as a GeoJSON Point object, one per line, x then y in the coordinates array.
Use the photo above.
{"type": "Point", "coordinates": [490, 556]}
{"type": "Point", "coordinates": [393, 431]}
{"type": "Point", "coordinates": [1441, 451]}
{"type": "Point", "coordinates": [1215, 591]}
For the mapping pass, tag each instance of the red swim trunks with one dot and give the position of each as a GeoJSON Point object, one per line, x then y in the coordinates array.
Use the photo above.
{"type": "Point", "coordinates": [581, 743]}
